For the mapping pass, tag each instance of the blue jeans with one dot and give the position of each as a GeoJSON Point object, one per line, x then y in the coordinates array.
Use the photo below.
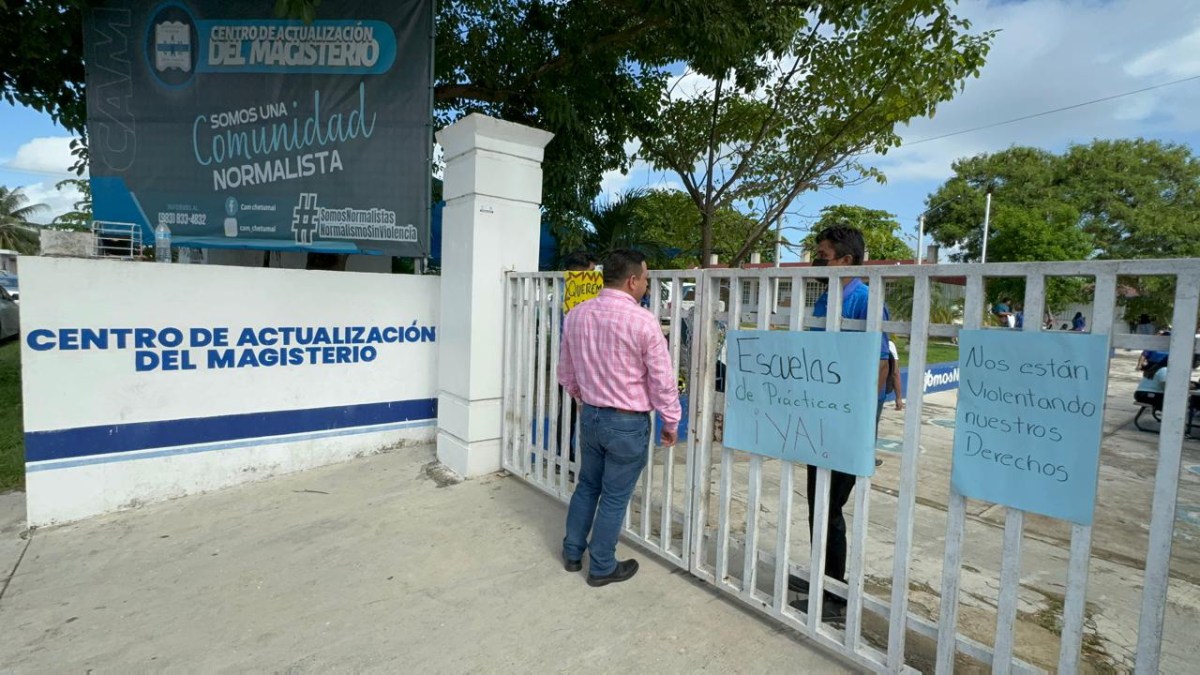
{"type": "Point", "coordinates": [614, 453]}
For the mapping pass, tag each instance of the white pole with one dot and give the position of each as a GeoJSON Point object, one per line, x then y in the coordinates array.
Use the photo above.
{"type": "Point", "coordinates": [920, 237]}
{"type": "Point", "coordinates": [987, 215]}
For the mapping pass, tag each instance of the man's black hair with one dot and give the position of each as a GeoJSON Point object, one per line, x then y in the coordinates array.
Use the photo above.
{"type": "Point", "coordinates": [579, 261]}
{"type": "Point", "coordinates": [622, 264]}
{"type": "Point", "coordinates": [846, 241]}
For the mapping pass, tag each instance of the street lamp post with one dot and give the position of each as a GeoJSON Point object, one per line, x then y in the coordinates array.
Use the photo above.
{"type": "Point", "coordinates": [921, 225]}
{"type": "Point", "coordinates": [920, 237]}
{"type": "Point", "coordinates": [987, 216]}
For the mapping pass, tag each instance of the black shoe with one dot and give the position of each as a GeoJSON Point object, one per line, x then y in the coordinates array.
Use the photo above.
{"type": "Point", "coordinates": [879, 462]}
{"type": "Point", "coordinates": [797, 585]}
{"type": "Point", "coordinates": [833, 610]}
{"type": "Point", "coordinates": [571, 565]}
{"type": "Point", "coordinates": [624, 572]}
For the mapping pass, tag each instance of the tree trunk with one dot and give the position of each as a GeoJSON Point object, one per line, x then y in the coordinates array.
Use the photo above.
{"type": "Point", "coordinates": [706, 221]}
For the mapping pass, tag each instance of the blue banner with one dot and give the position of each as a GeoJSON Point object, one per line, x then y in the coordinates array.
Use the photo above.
{"type": "Point", "coordinates": [806, 397]}
{"type": "Point", "coordinates": [238, 130]}
{"type": "Point", "coordinates": [1029, 422]}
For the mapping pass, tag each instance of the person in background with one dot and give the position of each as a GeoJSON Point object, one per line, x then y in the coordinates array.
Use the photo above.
{"type": "Point", "coordinates": [1152, 388]}
{"type": "Point", "coordinates": [893, 385]}
{"type": "Point", "coordinates": [579, 261]}
{"type": "Point", "coordinates": [615, 361]}
{"type": "Point", "coordinates": [1019, 317]}
{"type": "Point", "coordinates": [1003, 310]}
{"type": "Point", "coordinates": [1078, 324]}
{"type": "Point", "coordinates": [1150, 357]}
{"type": "Point", "coordinates": [839, 246]}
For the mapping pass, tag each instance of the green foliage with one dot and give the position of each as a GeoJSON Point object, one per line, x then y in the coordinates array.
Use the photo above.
{"type": "Point", "coordinates": [12, 435]}
{"type": "Point", "coordinates": [16, 233]}
{"type": "Point", "coordinates": [879, 230]}
{"type": "Point", "coordinates": [593, 72]}
{"type": "Point", "coordinates": [944, 307]}
{"type": "Point", "coordinates": [670, 220]}
{"type": "Point", "coordinates": [1110, 199]}
{"type": "Point", "coordinates": [660, 223]}
{"type": "Point", "coordinates": [613, 224]}
{"type": "Point", "coordinates": [849, 73]}
{"type": "Point", "coordinates": [80, 217]}
{"type": "Point", "coordinates": [41, 63]}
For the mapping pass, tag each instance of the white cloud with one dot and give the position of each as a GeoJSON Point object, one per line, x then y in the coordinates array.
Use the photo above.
{"type": "Point", "coordinates": [47, 155]}
{"type": "Point", "coordinates": [613, 183]}
{"type": "Point", "coordinates": [1056, 53]}
{"type": "Point", "coordinates": [1178, 59]}
{"type": "Point", "coordinates": [57, 201]}
{"type": "Point", "coordinates": [688, 85]}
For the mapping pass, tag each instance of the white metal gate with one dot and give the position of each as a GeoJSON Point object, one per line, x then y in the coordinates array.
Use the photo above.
{"type": "Point", "coordinates": [727, 516]}
{"type": "Point", "coordinates": [537, 439]}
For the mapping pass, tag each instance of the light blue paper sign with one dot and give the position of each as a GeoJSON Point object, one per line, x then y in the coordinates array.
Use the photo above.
{"type": "Point", "coordinates": [1028, 428]}
{"type": "Point", "coordinates": [806, 397]}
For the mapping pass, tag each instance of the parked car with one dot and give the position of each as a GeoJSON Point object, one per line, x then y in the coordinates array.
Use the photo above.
{"type": "Point", "coordinates": [10, 315]}
{"type": "Point", "coordinates": [9, 283]}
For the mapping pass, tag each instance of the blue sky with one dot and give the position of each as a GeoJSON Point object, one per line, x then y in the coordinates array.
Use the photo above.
{"type": "Point", "coordinates": [1049, 54]}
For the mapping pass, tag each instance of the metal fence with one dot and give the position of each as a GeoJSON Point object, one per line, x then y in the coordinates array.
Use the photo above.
{"type": "Point", "coordinates": [117, 240]}
{"type": "Point", "coordinates": [727, 516]}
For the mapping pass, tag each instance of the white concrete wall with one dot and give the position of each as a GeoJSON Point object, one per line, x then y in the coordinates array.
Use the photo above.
{"type": "Point", "coordinates": [67, 243]}
{"type": "Point", "coordinates": [102, 435]}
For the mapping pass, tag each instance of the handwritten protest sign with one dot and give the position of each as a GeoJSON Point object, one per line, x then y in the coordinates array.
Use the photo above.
{"type": "Point", "coordinates": [1030, 410]}
{"type": "Point", "coordinates": [804, 397]}
{"type": "Point", "coordinates": [581, 286]}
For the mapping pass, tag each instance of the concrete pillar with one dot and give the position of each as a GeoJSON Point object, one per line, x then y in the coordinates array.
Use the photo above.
{"type": "Point", "coordinates": [491, 224]}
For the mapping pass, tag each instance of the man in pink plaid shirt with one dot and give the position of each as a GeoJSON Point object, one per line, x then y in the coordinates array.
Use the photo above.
{"type": "Point", "coordinates": [614, 360]}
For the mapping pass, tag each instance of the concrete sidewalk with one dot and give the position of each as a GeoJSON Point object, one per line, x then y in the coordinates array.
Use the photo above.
{"type": "Point", "coordinates": [365, 566]}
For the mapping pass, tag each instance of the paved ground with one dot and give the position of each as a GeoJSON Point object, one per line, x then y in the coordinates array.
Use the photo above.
{"type": "Point", "coordinates": [364, 566]}
{"type": "Point", "coordinates": [370, 566]}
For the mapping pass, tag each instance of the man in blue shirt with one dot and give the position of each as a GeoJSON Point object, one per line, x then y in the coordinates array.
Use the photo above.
{"type": "Point", "coordinates": [839, 246]}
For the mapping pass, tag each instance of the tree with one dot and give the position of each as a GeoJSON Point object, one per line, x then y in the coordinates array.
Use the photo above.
{"type": "Point", "coordinates": [670, 220]}
{"type": "Point", "coordinates": [1109, 199]}
{"type": "Point", "coordinates": [80, 217]}
{"type": "Point", "coordinates": [590, 71]}
{"type": "Point", "coordinates": [879, 230]}
{"type": "Point", "coordinates": [16, 233]}
{"type": "Point", "coordinates": [800, 120]}
{"type": "Point", "coordinates": [1021, 179]}
{"type": "Point", "coordinates": [613, 224]}
{"type": "Point", "coordinates": [1136, 198]}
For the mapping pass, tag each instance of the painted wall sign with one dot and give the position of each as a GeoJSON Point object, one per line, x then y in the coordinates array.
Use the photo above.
{"type": "Point", "coordinates": [220, 375]}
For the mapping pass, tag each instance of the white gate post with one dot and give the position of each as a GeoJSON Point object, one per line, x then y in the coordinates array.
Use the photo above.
{"type": "Point", "coordinates": [491, 224]}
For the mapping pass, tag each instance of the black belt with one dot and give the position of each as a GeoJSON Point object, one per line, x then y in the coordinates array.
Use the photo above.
{"type": "Point", "coordinates": [622, 410]}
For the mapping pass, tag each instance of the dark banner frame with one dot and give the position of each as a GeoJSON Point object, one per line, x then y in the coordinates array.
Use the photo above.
{"type": "Point", "coordinates": [239, 130]}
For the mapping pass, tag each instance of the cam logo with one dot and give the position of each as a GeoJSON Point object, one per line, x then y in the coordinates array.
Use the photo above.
{"type": "Point", "coordinates": [172, 46]}
{"type": "Point", "coordinates": [305, 218]}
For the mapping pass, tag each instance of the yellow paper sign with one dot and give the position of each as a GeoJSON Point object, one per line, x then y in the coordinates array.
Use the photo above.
{"type": "Point", "coordinates": [581, 286]}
